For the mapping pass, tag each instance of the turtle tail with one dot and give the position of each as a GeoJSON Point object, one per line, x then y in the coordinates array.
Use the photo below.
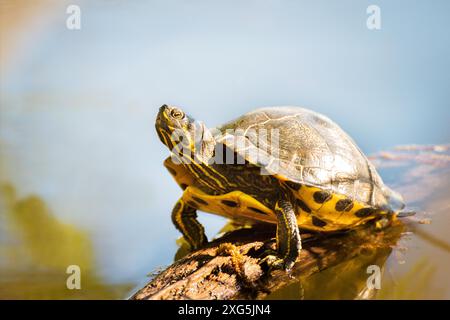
{"type": "Point", "coordinates": [395, 200]}
{"type": "Point", "coordinates": [397, 204]}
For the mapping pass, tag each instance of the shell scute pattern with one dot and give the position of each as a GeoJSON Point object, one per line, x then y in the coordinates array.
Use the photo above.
{"type": "Point", "coordinates": [313, 150]}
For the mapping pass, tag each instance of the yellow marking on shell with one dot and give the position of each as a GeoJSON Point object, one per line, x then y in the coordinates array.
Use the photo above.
{"type": "Point", "coordinates": [326, 211]}
{"type": "Point", "coordinates": [336, 220]}
{"type": "Point", "coordinates": [242, 209]}
{"type": "Point", "coordinates": [281, 177]}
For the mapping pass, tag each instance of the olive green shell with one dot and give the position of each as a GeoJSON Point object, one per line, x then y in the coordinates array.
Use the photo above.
{"type": "Point", "coordinates": [311, 150]}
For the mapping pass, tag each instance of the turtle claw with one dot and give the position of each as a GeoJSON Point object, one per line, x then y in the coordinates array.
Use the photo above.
{"type": "Point", "coordinates": [274, 262]}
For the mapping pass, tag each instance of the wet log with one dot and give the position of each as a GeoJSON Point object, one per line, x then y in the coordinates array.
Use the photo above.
{"type": "Point", "coordinates": [229, 268]}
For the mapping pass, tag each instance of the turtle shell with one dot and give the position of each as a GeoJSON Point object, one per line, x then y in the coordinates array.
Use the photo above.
{"type": "Point", "coordinates": [302, 146]}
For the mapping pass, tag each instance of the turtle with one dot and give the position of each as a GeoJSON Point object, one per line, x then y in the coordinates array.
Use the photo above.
{"type": "Point", "coordinates": [286, 165]}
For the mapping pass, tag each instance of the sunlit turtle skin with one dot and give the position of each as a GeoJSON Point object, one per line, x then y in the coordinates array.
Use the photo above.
{"type": "Point", "coordinates": [315, 177]}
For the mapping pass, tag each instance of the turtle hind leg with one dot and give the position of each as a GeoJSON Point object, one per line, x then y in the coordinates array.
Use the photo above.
{"type": "Point", "coordinates": [184, 217]}
{"type": "Point", "coordinates": [288, 238]}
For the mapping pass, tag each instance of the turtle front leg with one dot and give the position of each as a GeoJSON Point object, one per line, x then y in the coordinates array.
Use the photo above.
{"type": "Point", "coordinates": [288, 237]}
{"type": "Point", "coordinates": [184, 217]}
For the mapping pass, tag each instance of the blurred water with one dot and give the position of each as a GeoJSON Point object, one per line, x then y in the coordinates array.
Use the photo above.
{"type": "Point", "coordinates": [78, 107]}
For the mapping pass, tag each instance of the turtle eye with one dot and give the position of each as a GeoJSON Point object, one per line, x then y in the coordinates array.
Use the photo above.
{"type": "Point", "coordinates": [177, 114]}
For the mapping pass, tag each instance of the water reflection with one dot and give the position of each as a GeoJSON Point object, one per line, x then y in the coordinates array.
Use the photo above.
{"type": "Point", "coordinates": [37, 248]}
{"type": "Point", "coordinates": [348, 277]}
{"type": "Point", "coordinates": [417, 283]}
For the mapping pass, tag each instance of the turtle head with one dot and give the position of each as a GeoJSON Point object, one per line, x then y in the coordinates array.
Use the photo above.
{"type": "Point", "coordinates": [178, 131]}
{"type": "Point", "coordinates": [173, 124]}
